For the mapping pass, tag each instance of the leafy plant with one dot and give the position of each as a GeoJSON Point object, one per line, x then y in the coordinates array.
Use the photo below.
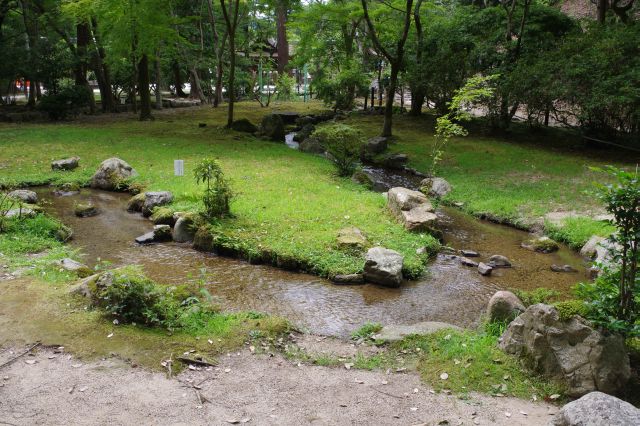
{"type": "Point", "coordinates": [367, 331]}
{"type": "Point", "coordinates": [60, 105]}
{"type": "Point", "coordinates": [217, 194]}
{"type": "Point", "coordinates": [284, 87]}
{"type": "Point", "coordinates": [447, 126]}
{"type": "Point", "coordinates": [343, 143]}
{"type": "Point", "coordinates": [614, 298]}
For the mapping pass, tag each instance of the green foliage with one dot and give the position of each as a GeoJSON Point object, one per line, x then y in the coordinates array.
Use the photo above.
{"type": "Point", "coordinates": [569, 308]}
{"type": "Point", "coordinates": [340, 89]}
{"type": "Point", "coordinates": [533, 297]}
{"type": "Point", "coordinates": [217, 194]}
{"type": "Point", "coordinates": [614, 298]}
{"type": "Point", "coordinates": [285, 87]}
{"type": "Point", "coordinates": [64, 103]}
{"type": "Point", "coordinates": [344, 144]}
{"type": "Point", "coordinates": [367, 331]}
{"type": "Point", "coordinates": [475, 90]}
{"type": "Point", "coordinates": [132, 297]}
{"type": "Point", "coordinates": [576, 231]}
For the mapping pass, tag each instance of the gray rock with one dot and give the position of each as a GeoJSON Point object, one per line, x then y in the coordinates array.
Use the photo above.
{"type": "Point", "coordinates": [569, 350]}
{"type": "Point", "coordinates": [351, 238]}
{"type": "Point", "coordinates": [84, 286]}
{"type": "Point", "coordinates": [24, 195]}
{"type": "Point", "coordinates": [19, 212]}
{"type": "Point", "coordinates": [469, 253]}
{"type": "Point", "coordinates": [147, 238]}
{"type": "Point", "coordinates": [162, 233]}
{"type": "Point", "coordinates": [272, 127]}
{"type": "Point", "coordinates": [395, 161]}
{"type": "Point", "coordinates": [376, 145]}
{"type": "Point", "coordinates": [420, 218]}
{"type": "Point", "coordinates": [111, 173]}
{"type": "Point", "coordinates": [155, 199]}
{"type": "Point", "coordinates": [499, 261]}
{"type": "Point", "coordinates": [85, 210]}
{"type": "Point", "coordinates": [312, 145]}
{"type": "Point", "coordinates": [403, 199]}
{"type": "Point", "coordinates": [244, 125]}
{"type": "Point", "coordinates": [383, 266]}
{"type": "Point", "coordinates": [135, 203]}
{"type": "Point", "coordinates": [183, 231]}
{"type": "Point", "coordinates": [73, 266]}
{"type": "Point", "coordinates": [436, 187]}
{"type": "Point", "coordinates": [484, 269]}
{"type": "Point", "coordinates": [563, 268]}
{"type": "Point", "coordinates": [394, 333]}
{"type": "Point", "coordinates": [590, 249]}
{"type": "Point", "coordinates": [468, 262]}
{"type": "Point", "coordinates": [304, 133]}
{"type": "Point", "coordinates": [348, 279]}
{"type": "Point", "coordinates": [504, 306]}
{"type": "Point", "coordinates": [541, 244]}
{"type": "Point", "coordinates": [597, 409]}
{"type": "Point", "coordinates": [65, 164]}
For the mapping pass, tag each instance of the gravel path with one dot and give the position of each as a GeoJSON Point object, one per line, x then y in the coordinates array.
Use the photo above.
{"type": "Point", "coordinates": [56, 388]}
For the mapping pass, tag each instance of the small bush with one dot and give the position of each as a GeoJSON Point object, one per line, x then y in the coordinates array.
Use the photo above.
{"type": "Point", "coordinates": [62, 104]}
{"type": "Point", "coordinates": [569, 308]}
{"type": "Point", "coordinates": [344, 144]}
{"type": "Point", "coordinates": [217, 195]}
{"type": "Point", "coordinates": [285, 87]}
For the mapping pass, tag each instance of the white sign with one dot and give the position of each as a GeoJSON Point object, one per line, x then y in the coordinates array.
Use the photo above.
{"type": "Point", "coordinates": [178, 167]}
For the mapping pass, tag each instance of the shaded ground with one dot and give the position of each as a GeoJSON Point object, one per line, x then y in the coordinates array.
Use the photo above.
{"type": "Point", "coordinates": [56, 388]}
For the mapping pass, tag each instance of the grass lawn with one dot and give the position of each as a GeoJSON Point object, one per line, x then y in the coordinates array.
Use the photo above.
{"type": "Point", "coordinates": [516, 179]}
{"type": "Point", "coordinates": [287, 202]}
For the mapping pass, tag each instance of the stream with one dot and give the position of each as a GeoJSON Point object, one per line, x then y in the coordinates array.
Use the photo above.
{"type": "Point", "coordinates": [449, 292]}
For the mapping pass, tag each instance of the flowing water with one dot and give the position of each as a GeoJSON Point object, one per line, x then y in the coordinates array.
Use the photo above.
{"type": "Point", "coordinates": [449, 292]}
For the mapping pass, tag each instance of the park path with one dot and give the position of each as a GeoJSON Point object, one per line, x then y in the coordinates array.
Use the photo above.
{"type": "Point", "coordinates": [55, 388]}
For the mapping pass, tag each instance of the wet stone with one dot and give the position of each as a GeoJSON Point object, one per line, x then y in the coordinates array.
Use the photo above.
{"type": "Point", "coordinates": [469, 253]}
{"type": "Point", "coordinates": [563, 268]}
{"type": "Point", "coordinates": [484, 269]}
{"type": "Point", "coordinates": [468, 262]}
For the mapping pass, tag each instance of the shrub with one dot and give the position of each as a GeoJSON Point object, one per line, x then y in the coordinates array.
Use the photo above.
{"type": "Point", "coordinates": [60, 105]}
{"type": "Point", "coordinates": [217, 194]}
{"type": "Point", "coordinates": [343, 143]}
{"type": "Point", "coordinates": [570, 308]}
{"type": "Point", "coordinates": [130, 297]}
{"type": "Point", "coordinates": [285, 87]}
{"type": "Point", "coordinates": [533, 297]}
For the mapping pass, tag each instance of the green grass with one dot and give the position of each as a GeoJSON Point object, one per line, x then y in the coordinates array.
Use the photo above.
{"type": "Point", "coordinates": [287, 202]}
{"type": "Point", "coordinates": [515, 179]}
{"type": "Point", "coordinates": [576, 231]}
{"type": "Point", "coordinates": [474, 363]}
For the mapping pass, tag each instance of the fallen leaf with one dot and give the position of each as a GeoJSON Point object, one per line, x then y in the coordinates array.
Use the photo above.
{"type": "Point", "coordinates": [524, 413]}
{"type": "Point", "coordinates": [507, 414]}
{"type": "Point", "coordinates": [554, 396]}
{"type": "Point", "coordinates": [348, 365]}
{"type": "Point", "coordinates": [30, 361]}
{"type": "Point", "coordinates": [82, 389]}
{"type": "Point", "coordinates": [444, 376]}
{"type": "Point", "coordinates": [227, 370]}
{"type": "Point", "coordinates": [76, 365]}
{"type": "Point", "coordinates": [110, 336]}
{"type": "Point", "coordinates": [414, 408]}
{"type": "Point", "coordinates": [384, 382]}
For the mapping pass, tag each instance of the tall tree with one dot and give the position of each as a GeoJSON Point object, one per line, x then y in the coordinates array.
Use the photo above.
{"type": "Point", "coordinates": [231, 18]}
{"type": "Point", "coordinates": [394, 57]}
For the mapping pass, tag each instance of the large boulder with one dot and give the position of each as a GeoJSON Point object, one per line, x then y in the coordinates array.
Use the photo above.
{"type": "Point", "coordinates": [403, 199]}
{"type": "Point", "coordinates": [597, 409]}
{"type": "Point", "coordinates": [312, 145]}
{"type": "Point", "coordinates": [159, 234]}
{"type": "Point", "coordinates": [436, 187]}
{"type": "Point", "coordinates": [376, 145]}
{"type": "Point", "coordinates": [85, 210]}
{"type": "Point", "coordinates": [65, 164]}
{"type": "Point", "coordinates": [155, 199]}
{"type": "Point", "coordinates": [420, 218]}
{"type": "Point", "coordinates": [412, 208]}
{"type": "Point", "coordinates": [111, 173]}
{"type": "Point", "coordinates": [272, 127]}
{"type": "Point", "coordinates": [351, 238]}
{"type": "Point", "coordinates": [383, 266]}
{"type": "Point", "coordinates": [73, 266]}
{"type": "Point", "coordinates": [504, 306]}
{"type": "Point", "coordinates": [184, 231]}
{"type": "Point", "coordinates": [244, 125]}
{"type": "Point", "coordinates": [395, 161]}
{"type": "Point", "coordinates": [304, 133]}
{"type": "Point", "coordinates": [572, 351]}
{"type": "Point", "coordinates": [24, 195]}
{"type": "Point", "coordinates": [541, 244]}
{"type": "Point", "coordinates": [592, 247]}
{"type": "Point", "coordinates": [19, 213]}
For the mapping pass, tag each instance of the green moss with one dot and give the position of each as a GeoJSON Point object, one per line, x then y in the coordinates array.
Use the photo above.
{"type": "Point", "coordinates": [135, 203]}
{"type": "Point", "coordinates": [569, 308]}
{"type": "Point", "coordinates": [539, 295]}
{"type": "Point", "coordinates": [163, 216]}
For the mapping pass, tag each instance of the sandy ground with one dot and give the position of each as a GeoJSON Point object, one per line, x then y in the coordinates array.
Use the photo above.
{"type": "Point", "coordinates": [55, 388]}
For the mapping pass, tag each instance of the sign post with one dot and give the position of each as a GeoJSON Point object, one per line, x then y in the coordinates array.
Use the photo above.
{"type": "Point", "coordinates": [178, 167]}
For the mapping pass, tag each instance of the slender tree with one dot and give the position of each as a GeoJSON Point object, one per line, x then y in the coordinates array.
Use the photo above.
{"type": "Point", "coordinates": [231, 18]}
{"type": "Point", "coordinates": [395, 59]}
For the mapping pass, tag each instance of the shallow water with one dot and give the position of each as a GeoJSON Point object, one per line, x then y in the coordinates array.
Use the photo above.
{"type": "Point", "coordinates": [450, 292]}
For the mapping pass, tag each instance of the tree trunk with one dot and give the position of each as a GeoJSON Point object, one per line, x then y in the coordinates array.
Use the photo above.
{"type": "Point", "coordinates": [417, 100]}
{"type": "Point", "coordinates": [82, 43]}
{"type": "Point", "coordinates": [158, 79]}
{"type": "Point", "coordinates": [232, 75]}
{"type": "Point", "coordinates": [282, 42]}
{"type": "Point", "coordinates": [143, 88]}
{"type": "Point", "coordinates": [388, 109]}
{"type": "Point", "coordinates": [196, 87]}
{"type": "Point", "coordinates": [177, 80]}
{"type": "Point", "coordinates": [602, 10]}
{"type": "Point", "coordinates": [102, 71]}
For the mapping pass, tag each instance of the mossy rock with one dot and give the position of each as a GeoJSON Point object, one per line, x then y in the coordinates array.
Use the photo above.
{"type": "Point", "coordinates": [244, 125]}
{"type": "Point", "coordinates": [135, 203]}
{"type": "Point", "coordinates": [204, 240]}
{"type": "Point", "coordinates": [351, 239]}
{"type": "Point", "coordinates": [63, 234]}
{"type": "Point", "coordinates": [364, 179]}
{"type": "Point", "coordinates": [541, 244]}
{"type": "Point", "coordinates": [85, 210]}
{"type": "Point", "coordinates": [163, 216]}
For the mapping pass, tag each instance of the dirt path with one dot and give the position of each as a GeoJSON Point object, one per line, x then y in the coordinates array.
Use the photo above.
{"type": "Point", "coordinates": [56, 388]}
